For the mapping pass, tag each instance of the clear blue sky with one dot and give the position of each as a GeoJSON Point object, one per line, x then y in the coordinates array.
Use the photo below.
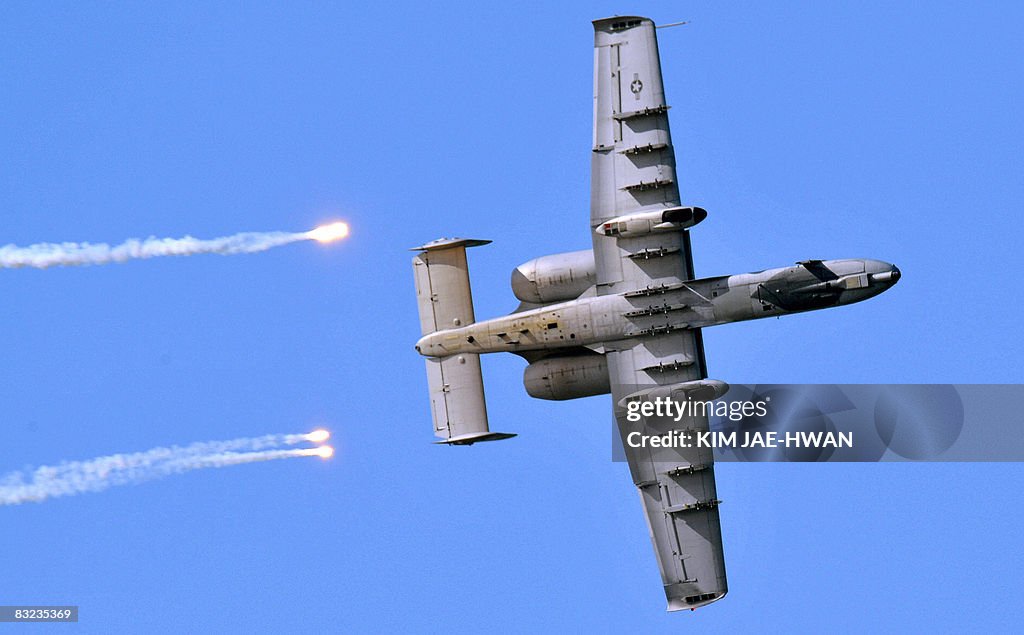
{"type": "Point", "coordinates": [808, 131]}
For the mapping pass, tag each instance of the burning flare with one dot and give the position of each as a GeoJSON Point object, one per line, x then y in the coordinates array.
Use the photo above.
{"type": "Point", "coordinates": [318, 436]}
{"type": "Point", "coordinates": [93, 475]}
{"type": "Point", "coordinates": [329, 233]}
{"type": "Point", "coordinates": [45, 255]}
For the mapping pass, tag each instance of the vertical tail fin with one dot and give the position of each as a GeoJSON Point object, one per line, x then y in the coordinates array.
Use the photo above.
{"type": "Point", "coordinates": [445, 301]}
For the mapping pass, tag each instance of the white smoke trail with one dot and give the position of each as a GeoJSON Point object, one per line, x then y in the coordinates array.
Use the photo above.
{"type": "Point", "coordinates": [94, 475]}
{"type": "Point", "coordinates": [45, 255]}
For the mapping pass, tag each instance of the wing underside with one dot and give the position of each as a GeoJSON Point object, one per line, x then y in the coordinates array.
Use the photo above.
{"type": "Point", "coordinates": [633, 170]}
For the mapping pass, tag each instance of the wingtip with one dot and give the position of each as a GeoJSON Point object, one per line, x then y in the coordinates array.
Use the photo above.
{"type": "Point", "coordinates": [693, 602]}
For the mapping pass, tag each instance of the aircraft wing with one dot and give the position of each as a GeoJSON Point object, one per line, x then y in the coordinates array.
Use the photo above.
{"type": "Point", "coordinates": [633, 170]}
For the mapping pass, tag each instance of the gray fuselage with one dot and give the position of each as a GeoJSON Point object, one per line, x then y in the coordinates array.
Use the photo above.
{"type": "Point", "coordinates": [604, 320]}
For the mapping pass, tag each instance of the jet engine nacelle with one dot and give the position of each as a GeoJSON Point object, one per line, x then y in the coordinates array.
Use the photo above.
{"type": "Point", "coordinates": [560, 378]}
{"type": "Point", "coordinates": [662, 220]}
{"type": "Point", "coordinates": [555, 278]}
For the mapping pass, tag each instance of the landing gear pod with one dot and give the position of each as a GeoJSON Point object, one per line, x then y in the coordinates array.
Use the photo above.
{"type": "Point", "coordinates": [698, 390]}
{"type": "Point", "coordinates": [663, 220]}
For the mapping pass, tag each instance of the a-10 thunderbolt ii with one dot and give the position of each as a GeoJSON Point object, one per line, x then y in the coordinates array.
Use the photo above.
{"type": "Point", "coordinates": [626, 316]}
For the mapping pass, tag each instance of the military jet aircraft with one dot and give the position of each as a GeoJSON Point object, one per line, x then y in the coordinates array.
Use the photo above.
{"type": "Point", "coordinates": [626, 316]}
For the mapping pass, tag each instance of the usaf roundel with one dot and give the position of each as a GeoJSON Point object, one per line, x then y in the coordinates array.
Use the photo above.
{"type": "Point", "coordinates": [637, 85]}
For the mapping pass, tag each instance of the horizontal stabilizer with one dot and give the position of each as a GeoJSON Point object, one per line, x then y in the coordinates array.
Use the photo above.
{"type": "Point", "coordinates": [442, 284]}
{"type": "Point", "coordinates": [457, 400]}
{"type": "Point", "coordinates": [455, 382]}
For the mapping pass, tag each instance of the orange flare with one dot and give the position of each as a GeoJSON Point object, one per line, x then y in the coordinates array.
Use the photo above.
{"type": "Point", "coordinates": [318, 436]}
{"type": "Point", "coordinates": [329, 233]}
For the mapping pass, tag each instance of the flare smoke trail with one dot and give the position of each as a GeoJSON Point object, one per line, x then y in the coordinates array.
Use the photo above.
{"type": "Point", "coordinates": [45, 255]}
{"type": "Point", "coordinates": [94, 475]}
